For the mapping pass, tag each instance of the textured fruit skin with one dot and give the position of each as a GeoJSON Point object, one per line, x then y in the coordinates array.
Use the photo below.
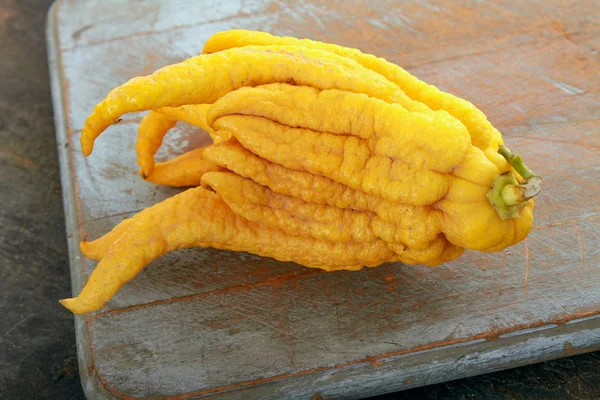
{"type": "Point", "coordinates": [153, 127]}
{"type": "Point", "coordinates": [206, 78]}
{"type": "Point", "coordinates": [483, 134]}
{"type": "Point", "coordinates": [185, 170]}
{"type": "Point", "coordinates": [321, 155]}
{"type": "Point", "coordinates": [200, 218]}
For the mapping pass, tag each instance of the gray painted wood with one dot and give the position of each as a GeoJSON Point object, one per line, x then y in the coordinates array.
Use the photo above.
{"type": "Point", "coordinates": [207, 322]}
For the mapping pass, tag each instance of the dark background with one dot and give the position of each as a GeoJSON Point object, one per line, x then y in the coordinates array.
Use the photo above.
{"type": "Point", "coordinates": [38, 356]}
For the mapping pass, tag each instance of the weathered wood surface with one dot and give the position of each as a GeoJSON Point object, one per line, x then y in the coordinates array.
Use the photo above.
{"type": "Point", "coordinates": [207, 322]}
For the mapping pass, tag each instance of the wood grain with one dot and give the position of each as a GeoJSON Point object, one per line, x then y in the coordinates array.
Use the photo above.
{"type": "Point", "coordinates": [206, 322]}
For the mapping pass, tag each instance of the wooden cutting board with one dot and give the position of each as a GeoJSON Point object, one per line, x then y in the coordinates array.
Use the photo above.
{"type": "Point", "coordinates": [203, 322]}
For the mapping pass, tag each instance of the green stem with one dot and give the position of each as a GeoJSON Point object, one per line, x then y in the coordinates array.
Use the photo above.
{"type": "Point", "coordinates": [516, 162]}
{"type": "Point", "coordinates": [507, 195]}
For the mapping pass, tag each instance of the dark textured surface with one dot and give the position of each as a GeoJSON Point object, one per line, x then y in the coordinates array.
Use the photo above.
{"type": "Point", "coordinates": [570, 378]}
{"type": "Point", "coordinates": [38, 357]}
{"type": "Point", "coordinates": [37, 343]}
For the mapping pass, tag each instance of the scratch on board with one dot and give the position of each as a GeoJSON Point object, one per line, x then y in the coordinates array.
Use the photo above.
{"type": "Point", "coordinates": [551, 300]}
{"type": "Point", "coordinates": [290, 11]}
{"type": "Point", "coordinates": [314, 12]}
{"type": "Point", "coordinates": [399, 19]}
{"type": "Point", "coordinates": [377, 23]}
{"type": "Point", "coordinates": [118, 348]}
{"type": "Point", "coordinates": [12, 328]}
{"type": "Point", "coordinates": [550, 140]}
{"type": "Point", "coordinates": [580, 241]}
{"type": "Point", "coordinates": [565, 87]}
{"type": "Point", "coordinates": [229, 16]}
{"type": "Point", "coordinates": [430, 6]}
{"type": "Point", "coordinates": [76, 35]}
{"type": "Point", "coordinates": [592, 217]}
{"type": "Point", "coordinates": [270, 326]}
